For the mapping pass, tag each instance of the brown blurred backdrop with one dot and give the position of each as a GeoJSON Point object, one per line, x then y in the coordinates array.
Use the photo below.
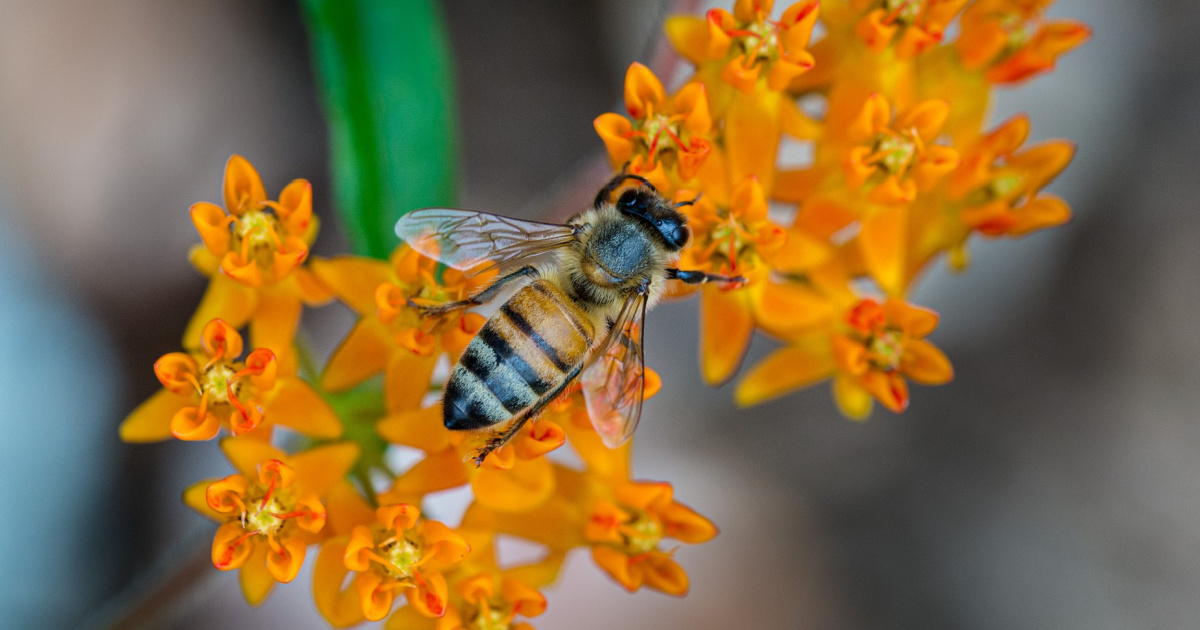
{"type": "Point", "coordinates": [1054, 484]}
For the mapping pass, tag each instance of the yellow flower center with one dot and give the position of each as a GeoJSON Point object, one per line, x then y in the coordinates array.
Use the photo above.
{"type": "Point", "coordinates": [491, 619]}
{"type": "Point", "coordinates": [642, 534]}
{"type": "Point", "coordinates": [215, 383]}
{"type": "Point", "coordinates": [403, 555]}
{"type": "Point", "coordinates": [894, 152]}
{"type": "Point", "coordinates": [652, 130]}
{"type": "Point", "coordinates": [885, 349]}
{"type": "Point", "coordinates": [257, 236]}
{"type": "Point", "coordinates": [904, 12]}
{"type": "Point", "coordinates": [759, 41]}
{"type": "Point", "coordinates": [263, 519]}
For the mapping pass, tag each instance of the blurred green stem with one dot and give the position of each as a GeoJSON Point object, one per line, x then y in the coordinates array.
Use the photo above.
{"type": "Point", "coordinates": [387, 89]}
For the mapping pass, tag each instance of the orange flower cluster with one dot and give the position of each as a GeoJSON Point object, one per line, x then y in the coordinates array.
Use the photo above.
{"type": "Point", "coordinates": [890, 111]}
{"type": "Point", "coordinates": [347, 460]}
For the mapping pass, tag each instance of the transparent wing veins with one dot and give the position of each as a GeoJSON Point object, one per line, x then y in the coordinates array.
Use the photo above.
{"type": "Point", "coordinates": [614, 385]}
{"type": "Point", "coordinates": [479, 241]}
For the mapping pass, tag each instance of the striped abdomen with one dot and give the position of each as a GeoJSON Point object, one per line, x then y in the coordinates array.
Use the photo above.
{"type": "Point", "coordinates": [523, 354]}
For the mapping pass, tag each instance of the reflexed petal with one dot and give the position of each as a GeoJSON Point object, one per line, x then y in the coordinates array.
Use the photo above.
{"type": "Point", "coordinates": [689, 36]}
{"type": "Point", "coordinates": [274, 322]}
{"type": "Point", "coordinates": [196, 497]}
{"type": "Point", "coordinates": [785, 308]}
{"type": "Point", "coordinates": [800, 252]}
{"type": "Point", "coordinates": [925, 363]}
{"type": "Point", "coordinates": [295, 207]}
{"type": "Point", "coordinates": [294, 404]}
{"type": "Point", "coordinates": [353, 279]}
{"type": "Point", "coordinates": [685, 524]}
{"type": "Point", "coordinates": [873, 118]}
{"type": "Point", "coordinates": [406, 380]}
{"type": "Point", "coordinates": [430, 599]}
{"type": "Point", "coordinates": [151, 421]}
{"type": "Point", "coordinates": [1043, 162]}
{"type": "Point", "coordinates": [339, 607]}
{"type": "Point", "coordinates": [518, 489]}
{"type": "Point", "coordinates": [189, 425]}
{"type": "Point", "coordinates": [346, 508]}
{"type": "Point", "coordinates": [782, 371]}
{"type": "Point", "coordinates": [853, 401]}
{"type": "Point", "coordinates": [374, 597]}
{"type": "Point", "coordinates": [318, 469]}
{"type": "Point", "coordinates": [752, 137]}
{"type": "Point", "coordinates": [246, 453]}
{"type": "Point", "coordinates": [882, 243]}
{"type": "Point", "coordinates": [438, 471]}
{"type": "Point", "coordinates": [244, 270]}
{"type": "Point", "coordinates": [256, 581]}
{"type": "Point", "coordinates": [225, 298]}
{"type": "Point", "coordinates": [542, 437]}
{"type": "Point", "coordinates": [362, 354]}
{"type": "Point", "coordinates": [726, 324]}
{"type": "Point", "coordinates": [447, 546]}
{"type": "Point", "coordinates": [420, 428]}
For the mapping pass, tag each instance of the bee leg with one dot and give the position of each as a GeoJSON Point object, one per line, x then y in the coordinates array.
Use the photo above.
{"type": "Point", "coordinates": [502, 438]}
{"type": "Point", "coordinates": [699, 277]}
{"type": "Point", "coordinates": [483, 297]}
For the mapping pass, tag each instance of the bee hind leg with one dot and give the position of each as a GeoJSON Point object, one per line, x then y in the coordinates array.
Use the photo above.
{"type": "Point", "coordinates": [483, 297]}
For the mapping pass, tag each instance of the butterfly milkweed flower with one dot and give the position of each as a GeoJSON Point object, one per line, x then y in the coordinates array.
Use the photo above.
{"type": "Point", "coordinates": [626, 531]}
{"type": "Point", "coordinates": [391, 336]}
{"type": "Point", "coordinates": [252, 251]}
{"type": "Point", "coordinates": [214, 388]}
{"type": "Point", "coordinates": [271, 510]}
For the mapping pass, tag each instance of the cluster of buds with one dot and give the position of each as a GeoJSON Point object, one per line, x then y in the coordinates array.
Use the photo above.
{"type": "Point", "coordinates": [902, 172]}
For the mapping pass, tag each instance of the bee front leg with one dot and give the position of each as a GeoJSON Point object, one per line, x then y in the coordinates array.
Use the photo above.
{"type": "Point", "coordinates": [483, 297]}
{"type": "Point", "coordinates": [699, 277]}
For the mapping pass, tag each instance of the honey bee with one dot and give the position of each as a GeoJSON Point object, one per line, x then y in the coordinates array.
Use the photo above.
{"type": "Point", "coordinates": [580, 316]}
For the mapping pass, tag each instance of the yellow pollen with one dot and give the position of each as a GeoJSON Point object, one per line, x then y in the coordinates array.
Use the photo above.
{"type": "Point", "coordinates": [643, 534]}
{"type": "Point", "coordinates": [894, 152]}
{"type": "Point", "coordinates": [263, 520]}
{"type": "Point", "coordinates": [489, 619]}
{"type": "Point", "coordinates": [403, 554]}
{"type": "Point", "coordinates": [886, 350]}
{"type": "Point", "coordinates": [215, 381]}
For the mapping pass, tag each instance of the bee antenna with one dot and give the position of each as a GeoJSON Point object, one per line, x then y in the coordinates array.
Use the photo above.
{"type": "Point", "coordinates": [639, 178]}
{"type": "Point", "coordinates": [689, 202]}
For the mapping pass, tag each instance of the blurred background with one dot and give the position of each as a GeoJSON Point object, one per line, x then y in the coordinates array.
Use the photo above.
{"type": "Point", "coordinates": [1054, 484]}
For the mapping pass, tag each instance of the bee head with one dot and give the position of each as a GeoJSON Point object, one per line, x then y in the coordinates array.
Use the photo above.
{"type": "Point", "coordinates": [663, 219]}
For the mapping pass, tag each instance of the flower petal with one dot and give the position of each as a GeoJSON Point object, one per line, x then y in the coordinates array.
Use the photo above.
{"type": "Point", "coordinates": [644, 93]}
{"type": "Point", "coordinates": [246, 453]}
{"type": "Point", "coordinates": [406, 380]}
{"type": "Point", "coordinates": [853, 401]}
{"type": "Point", "coordinates": [726, 324]}
{"type": "Point", "coordinates": [617, 565]}
{"type": "Point", "coordinates": [294, 404]}
{"type": "Point", "coordinates": [226, 299]}
{"type": "Point", "coordinates": [438, 471]}
{"type": "Point", "coordinates": [353, 279]}
{"type": "Point", "coordinates": [339, 607]}
{"type": "Point", "coordinates": [256, 581]}
{"type": "Point", "coordinates": [519, 489]}
{"type": "Point", "coordinates": [420, 428]}
{"type": "Point", "coordinates": [196, 497]}
{"type": "Point", "coordinates": [362, 354]}
{"type": "Point", "coordinates": [243, 187]}
{"type": "Point", "coordinates": [784, 370]}
{"type": "Point", "coordinates": [665, 575]}
{"type": "Point", "coordinates": [151, 421]}
{"type": "Point", "coordinates": [318, 469]}
{"type": "Point", "coordinates": [274, 322]}
{"type": "Point", "coordinates": [883, 246]}
{"type": "Point", "coordinates": [925, 363]}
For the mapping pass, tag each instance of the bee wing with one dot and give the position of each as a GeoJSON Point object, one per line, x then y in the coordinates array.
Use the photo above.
{"type": "Point", "coordinates": [615, 383]}
{"type": "Point", "coordinates": [478, 241]}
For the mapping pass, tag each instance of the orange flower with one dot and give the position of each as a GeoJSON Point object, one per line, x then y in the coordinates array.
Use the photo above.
{"type": "Point", "coordinates": [210, 389]}
{"type": "Point", "coordinates": [271, 510]}
{"type": "Point", "coordinates": [668, 139]}
{"type": "Point", "coordinates": [253, 256]}
{"type": "Point", "coordinates": [869, 355]}
{"type": "Point", "coordinates": [913, 25]}
{"type": "Point", "coordinates": [488, 602]}
{"type": "Point", "coordinates": [996, 35]}
{"type": "Point", "coordinates": [1000, 187]}
{"type": "Point", "coordinates": [751, 48]}
{"type": "Point", "coordinates": [390, 335]}
{"type": "Point", "coordinates": [401, 551]}
{"type": "Point", "coordinates": [880, 345]}
{"type": "Point", "coordinates": [736, 237]}
{"type": "Point", "coordinates": [626, 531]}
{"type": "Point", "coordinates": [896, 156]}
